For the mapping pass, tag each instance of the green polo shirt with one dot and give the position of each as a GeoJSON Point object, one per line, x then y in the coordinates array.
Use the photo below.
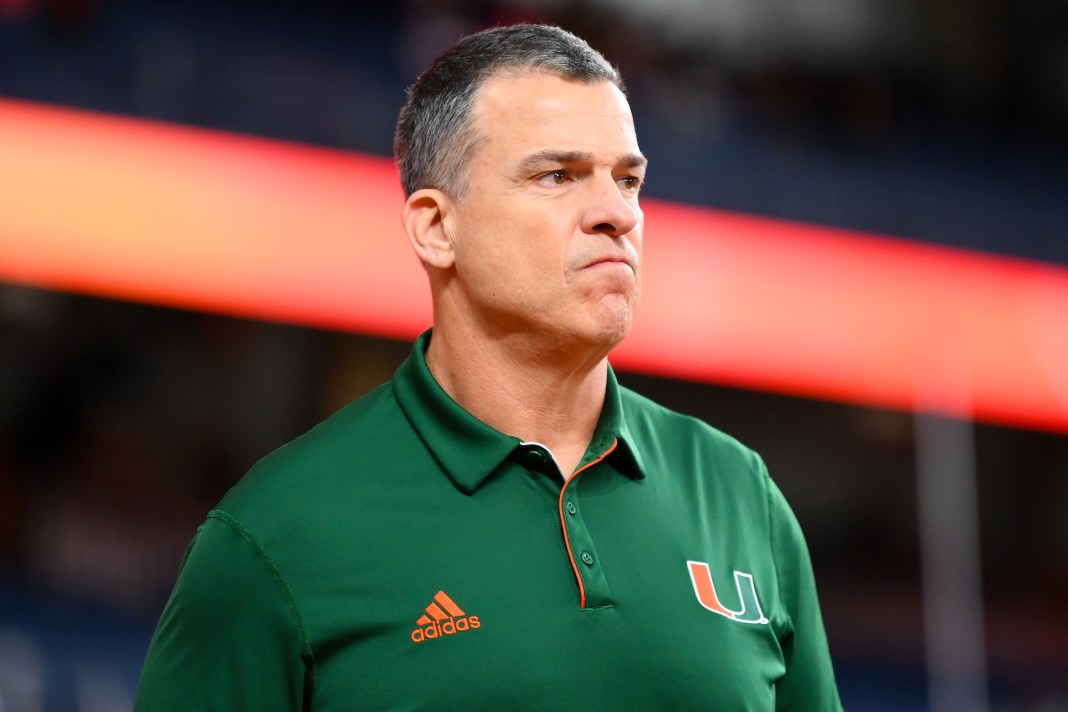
{"type": "Point", "coordinates": [405, 555]}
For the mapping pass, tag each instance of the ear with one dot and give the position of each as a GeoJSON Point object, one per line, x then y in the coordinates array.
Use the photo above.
{"type": "Point", "coordinates": [425, 219]}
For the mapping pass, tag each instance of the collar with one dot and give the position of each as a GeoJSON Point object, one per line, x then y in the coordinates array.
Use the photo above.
{"type": "Point", "coordinates": [469, 450]}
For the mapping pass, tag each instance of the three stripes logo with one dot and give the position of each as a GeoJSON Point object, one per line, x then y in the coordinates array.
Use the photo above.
{"type": "Point", "coordinates": [443, 617]}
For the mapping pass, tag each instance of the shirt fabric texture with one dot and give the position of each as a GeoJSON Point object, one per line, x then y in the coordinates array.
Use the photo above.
{"type": "Point", "coordinates": [404, 555]}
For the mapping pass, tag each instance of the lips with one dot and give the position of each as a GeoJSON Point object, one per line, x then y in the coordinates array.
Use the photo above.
{"type": "Point", "coordinates": [609, 261]}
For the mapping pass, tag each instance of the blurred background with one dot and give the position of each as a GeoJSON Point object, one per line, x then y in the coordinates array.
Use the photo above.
{"type": "Point", "coordinates": [934, 121]}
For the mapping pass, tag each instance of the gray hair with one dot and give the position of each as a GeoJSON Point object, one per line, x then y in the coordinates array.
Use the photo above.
{"type": "Point", "coordinates": [436, 130]}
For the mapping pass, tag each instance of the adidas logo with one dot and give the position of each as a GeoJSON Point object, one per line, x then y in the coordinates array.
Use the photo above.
{"type": "Point", "coordinates": [443, 617]}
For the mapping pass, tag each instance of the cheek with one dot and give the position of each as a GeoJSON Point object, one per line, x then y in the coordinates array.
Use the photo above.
{"type": "Point", "coordinates": [634, 241]}
{"type": "Point", "coordinates": [480, 240]}
{"type": "Point", "coordinates": [527, 247]}
{"type": "Point", "coordinates": [544, 242]}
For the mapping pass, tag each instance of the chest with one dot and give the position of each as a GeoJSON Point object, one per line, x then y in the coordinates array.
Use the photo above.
{"type": "Point", "coordinates": [530, 603]}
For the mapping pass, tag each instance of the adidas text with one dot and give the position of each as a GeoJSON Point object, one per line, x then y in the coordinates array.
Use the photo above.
{"type": "Point", "coordinates": [437, 629]}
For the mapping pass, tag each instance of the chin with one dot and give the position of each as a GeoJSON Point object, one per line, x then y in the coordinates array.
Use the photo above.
{"type": "Point", "coordinates": [608, 333]}
{"type": "Point", "coordinates": [593, 327]}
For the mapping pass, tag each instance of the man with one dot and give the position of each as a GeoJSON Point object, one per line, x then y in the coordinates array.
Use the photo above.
{"type": "Point", "coordinates": [503, 526]}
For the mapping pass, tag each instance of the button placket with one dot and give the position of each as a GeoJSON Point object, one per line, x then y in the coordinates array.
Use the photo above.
{"type": "Point", "coordinates": [593, 585]}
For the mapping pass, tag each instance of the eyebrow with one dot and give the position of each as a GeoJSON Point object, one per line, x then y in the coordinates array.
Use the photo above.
{"type": "Point", "coordinates": [552, 156]}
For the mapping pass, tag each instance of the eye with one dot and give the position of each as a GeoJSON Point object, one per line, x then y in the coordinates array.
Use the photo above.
{"type": "Point", "coordinates": [557, 177]}
{"type": "Point", "coordinates": [631, 182]}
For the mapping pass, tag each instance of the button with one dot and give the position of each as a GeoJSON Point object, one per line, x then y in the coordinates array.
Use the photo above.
{"type": "Point", "coordinates": [587, 559]}
{"type": "Point", "coordinates": [571, 508]}
{"type": "Point", "coordinates": [536, 457]}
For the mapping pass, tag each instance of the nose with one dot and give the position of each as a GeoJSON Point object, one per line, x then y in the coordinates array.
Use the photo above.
{"type": "Point", "coordinates": [609, 209]}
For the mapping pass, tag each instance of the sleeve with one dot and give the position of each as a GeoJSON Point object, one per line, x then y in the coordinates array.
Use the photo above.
{"type": "Point", "coordinates": [230, 637]}
{"type": "Point", "coordinates": [808, 684]}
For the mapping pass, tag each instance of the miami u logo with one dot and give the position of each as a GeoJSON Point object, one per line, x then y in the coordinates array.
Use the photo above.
{"type": "Point", "coordinates": [705, 589]}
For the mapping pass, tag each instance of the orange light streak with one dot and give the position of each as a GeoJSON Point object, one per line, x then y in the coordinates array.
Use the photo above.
{"type": "Point", "coordinates": [195, 219]}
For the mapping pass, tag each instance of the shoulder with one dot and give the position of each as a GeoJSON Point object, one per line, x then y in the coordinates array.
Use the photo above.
{"type": "Point", "coordinates": [676, 436]}
{"type": "Point", "coordinates": [332, 458]}
{"type": "Point", "coordinates": [691, 462]}
{"type": "Point", "coordinates": [350, 429]}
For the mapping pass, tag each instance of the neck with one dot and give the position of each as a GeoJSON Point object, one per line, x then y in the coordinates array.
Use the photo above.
{"type": "Point", "coordinates": [531, 392]}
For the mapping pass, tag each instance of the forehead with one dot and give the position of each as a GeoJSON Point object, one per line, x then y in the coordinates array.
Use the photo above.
{"type": "Point", "coordinates": [537, 111]}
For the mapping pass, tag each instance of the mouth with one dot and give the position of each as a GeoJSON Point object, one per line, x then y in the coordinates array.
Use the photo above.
{"type": "Point", "coordinates": [610, 262]}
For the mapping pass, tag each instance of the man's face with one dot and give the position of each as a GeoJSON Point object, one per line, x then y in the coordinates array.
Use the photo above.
{"type": "Point", "coordinates": [548, 237]}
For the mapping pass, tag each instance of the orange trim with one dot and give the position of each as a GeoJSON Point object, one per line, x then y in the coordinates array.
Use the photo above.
{"type": "Point", "coordinates": [563, 521]}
